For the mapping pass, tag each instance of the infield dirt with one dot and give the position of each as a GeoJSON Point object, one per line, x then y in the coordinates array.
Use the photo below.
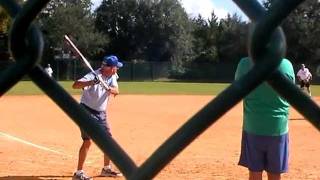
{"type": "Point", "coordinates": [39, 141]}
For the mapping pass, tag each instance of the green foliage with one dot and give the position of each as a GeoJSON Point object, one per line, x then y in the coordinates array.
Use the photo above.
{"type": "Point", "coordinates": [4, 20]}
{"type": "Point", "coordinates": [147, 30]}
{"type": "Point", "coordinates": [205, 34]}
{"type": "Point", "coordinates": [160, 30]}
{"type": "Point", "coordinates": [215, 42]}
{"type": "Point", "coordinates": [232, 38]}
{"type": "Point", "coordinates": [117, 19]}
{"type": "Point", "coordinates": [302, 29]}
{"type": "Point", "coordinates": [74, 18]}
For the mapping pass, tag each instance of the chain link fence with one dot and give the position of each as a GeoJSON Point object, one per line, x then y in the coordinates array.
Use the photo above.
{"type": "Point", "coordinates": [223, 72]}
{"type": "Point", "coordinates": [267, 46]}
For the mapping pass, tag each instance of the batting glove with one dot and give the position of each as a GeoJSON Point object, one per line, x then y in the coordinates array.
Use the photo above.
{"type": "Point", "coordinates": [96, 80]}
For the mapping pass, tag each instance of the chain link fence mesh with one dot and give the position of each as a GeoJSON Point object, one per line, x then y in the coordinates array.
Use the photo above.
{"type": "Point", "coordinates": [267, 46]}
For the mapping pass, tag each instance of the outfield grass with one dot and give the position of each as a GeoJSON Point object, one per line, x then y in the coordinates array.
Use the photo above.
{"type": "Point", "coordinates": [29, 88]}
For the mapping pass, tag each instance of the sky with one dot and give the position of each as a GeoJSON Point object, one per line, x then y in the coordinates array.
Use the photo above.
{"type": "Point", "coordinates": [204, 7]}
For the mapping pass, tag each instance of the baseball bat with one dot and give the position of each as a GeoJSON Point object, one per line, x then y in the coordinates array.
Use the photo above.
{"type": "Point", "coordinates": [86, 62]}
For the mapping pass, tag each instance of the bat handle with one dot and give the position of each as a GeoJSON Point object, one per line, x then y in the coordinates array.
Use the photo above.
{"type": "Point", "coordinates": [103, 83]}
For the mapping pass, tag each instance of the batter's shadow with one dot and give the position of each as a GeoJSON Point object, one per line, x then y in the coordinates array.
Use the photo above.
{"type": "Point", "coordinates": [34, 177]}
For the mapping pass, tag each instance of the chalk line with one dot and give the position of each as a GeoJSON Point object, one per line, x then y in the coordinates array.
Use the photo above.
{"type": "Point", "coordinates": [30, 143]}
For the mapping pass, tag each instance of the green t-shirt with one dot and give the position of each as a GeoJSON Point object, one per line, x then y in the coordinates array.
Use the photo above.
{"type": "Point", "coordinates": [264, 111]}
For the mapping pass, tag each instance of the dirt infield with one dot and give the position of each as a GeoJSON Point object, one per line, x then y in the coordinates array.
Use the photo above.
{"type": "Point", "coordinates": [38, 141]}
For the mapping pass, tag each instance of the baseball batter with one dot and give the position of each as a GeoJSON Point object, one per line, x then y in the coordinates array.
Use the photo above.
{"type": "Point", "coordinates": [95, 100]}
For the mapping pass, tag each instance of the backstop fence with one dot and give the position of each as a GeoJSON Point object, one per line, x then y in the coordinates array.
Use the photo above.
{"type": "Point", "coordinates": [267, 46]}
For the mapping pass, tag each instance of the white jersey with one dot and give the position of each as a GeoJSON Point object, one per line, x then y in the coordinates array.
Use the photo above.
{"type": "Point", "coordinates": [96, 97]}
{"type": "Point", "coordinates": [49, 71]}
{"type": "Point", "coordinates": [304, 74]}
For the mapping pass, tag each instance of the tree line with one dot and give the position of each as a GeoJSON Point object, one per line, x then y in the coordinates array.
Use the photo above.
{"type": "Point", "coordinates": [161, 30]}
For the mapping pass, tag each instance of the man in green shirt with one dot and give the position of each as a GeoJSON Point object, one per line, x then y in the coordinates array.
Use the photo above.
{"type": "Point", "coordinates": [264, 144]}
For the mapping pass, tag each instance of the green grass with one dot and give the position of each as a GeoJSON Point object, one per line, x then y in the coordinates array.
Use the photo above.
{"type": "Point", "coordinates": [29, 88]}
{"type": "Point", "coordinates": [171, 88]}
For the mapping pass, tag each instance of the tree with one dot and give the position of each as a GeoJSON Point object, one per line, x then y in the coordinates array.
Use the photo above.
{"type": "Point", "coordinates": [4, 20]}
{"type": "Point", "coordinates": [117, 19]}
{"type": "Point", "coordinates": [51, 7]}
{"type": "Point", "coordinates": [5, 23]}
{"type": "Point", "coordinates": [302, 29]}
{"type": "Point", "coordinates": [232, 38]}
{"type": "Point", "coordinates": [172, 38]}
{"type": "Point", "coordinates": [205, 36]}
{"type": "Point", "coordinates": [74, 18]}
{"type": "Point", "coordinates": [152, 30]}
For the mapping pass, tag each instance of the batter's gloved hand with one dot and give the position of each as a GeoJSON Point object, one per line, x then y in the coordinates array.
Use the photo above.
{"type": "Point", "coordinates": [96, 80]}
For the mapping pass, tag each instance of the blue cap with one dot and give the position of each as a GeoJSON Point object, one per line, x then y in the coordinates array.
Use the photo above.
{"type": "Point", "coordinates": [112, 61]}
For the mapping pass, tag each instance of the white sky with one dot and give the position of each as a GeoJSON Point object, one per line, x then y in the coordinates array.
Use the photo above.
{"type": "Point", "coordinates": [204, 7]}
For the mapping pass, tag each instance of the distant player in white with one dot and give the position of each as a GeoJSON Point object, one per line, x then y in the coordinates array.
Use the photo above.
{"type": "Point", "coordinates": [95, 100]}
{"type": "Point", "coordinates": [49, 70]}
{"type": "Point", "coordinates": [304, 76]}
